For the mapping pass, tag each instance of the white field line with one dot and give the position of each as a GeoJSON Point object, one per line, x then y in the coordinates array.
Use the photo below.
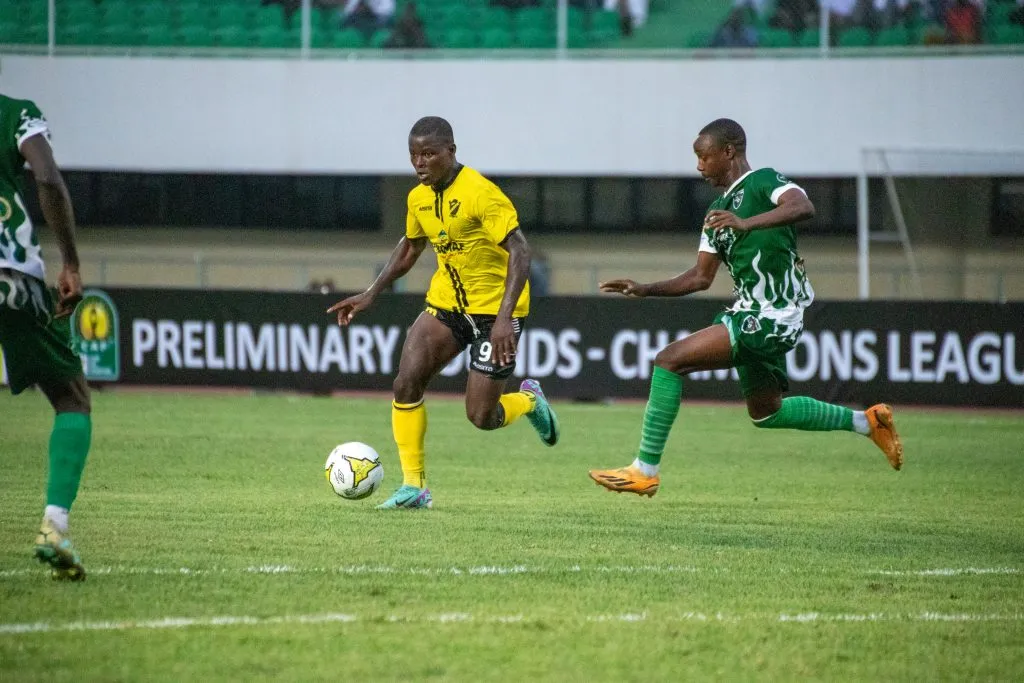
{"type": "Point", "coordinates": [947, 572]}
{"type": "Point", "coordinates": [13, 629]}
{"type": "Point", "coordinates": [283, 569]}
{"type": "Point", "coordinates": [483, 570]}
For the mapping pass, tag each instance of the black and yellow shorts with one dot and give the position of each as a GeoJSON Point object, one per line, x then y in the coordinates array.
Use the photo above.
{"type": "Point", "coordinates": [474, 331]}
{"type": "Point", "coordinates": [36, 345]}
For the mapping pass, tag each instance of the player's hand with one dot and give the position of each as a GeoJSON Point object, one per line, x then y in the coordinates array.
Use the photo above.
{"type": "Point", "coordinates": [503, 342]}
{"type": "Point", "coordinates": [69, 290]}
{"type": "Point", "coordinates": [347, 308]}
{"type": "Point", "coordinates": [718, 219]}
{"type": "Point", "coordinates": [627, 287]}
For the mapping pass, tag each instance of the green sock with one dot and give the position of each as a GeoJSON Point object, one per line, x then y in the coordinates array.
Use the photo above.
{"type": "Point", "coordinates": [69, 446]}
{"type": "Point", "coordinates": [661, 411]}
{"type": "Point", "coordinates": [802, 412]}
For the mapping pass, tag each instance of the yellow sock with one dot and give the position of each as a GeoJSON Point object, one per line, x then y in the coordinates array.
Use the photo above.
{"type": "Point", "coordinates": [409, 425]}
{"type": "Point", "coordinates": [516, 405]}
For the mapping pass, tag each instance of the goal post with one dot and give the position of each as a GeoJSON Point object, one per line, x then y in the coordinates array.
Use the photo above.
{"type": "Point", "coordinates": [890, 164]}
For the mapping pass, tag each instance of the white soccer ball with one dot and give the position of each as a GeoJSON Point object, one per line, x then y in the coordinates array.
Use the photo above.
{"type": "Point", "coordinates": [354, 470]}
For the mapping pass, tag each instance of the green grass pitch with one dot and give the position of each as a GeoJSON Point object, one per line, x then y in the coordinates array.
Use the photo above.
{"type": "Point", "coordinates": [217, 551]}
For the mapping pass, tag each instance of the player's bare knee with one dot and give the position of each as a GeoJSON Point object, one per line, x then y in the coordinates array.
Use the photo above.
{"type": "Point", "coordinates": [482, 418]}
{"type": "Point", "coordinates": [665, 361]}
{"type": "Point", "coordinates": [406, 389]}
{"type": "Point", "coordinates": [72, 396]}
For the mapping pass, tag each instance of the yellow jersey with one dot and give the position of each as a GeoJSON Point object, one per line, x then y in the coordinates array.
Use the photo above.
{"type": "Point", "coordinates": [466, 222]}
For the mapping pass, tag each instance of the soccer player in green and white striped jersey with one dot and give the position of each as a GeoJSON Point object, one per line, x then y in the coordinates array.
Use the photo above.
{"type": "Point", "coordinates": [750, 229]}
{"type": "Point", "coordinates": [34, 330]}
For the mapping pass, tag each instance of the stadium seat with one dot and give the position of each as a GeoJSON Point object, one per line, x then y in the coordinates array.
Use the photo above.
{"type": "Point", "coordinates": [893, 37]}
{"type": "Point", "coordinates": [194, 35]}
{"type": "Point", "coordinates": [151, 14]}
{"type": "Point", "coordinates": [854, 37]}
{"type": "Point", "coordinates": [118, 34]}
{"type": "Point", "coordinates": [496, 18]}
{"type": "Point", "coordinates": [270, 15]}
{"type": "Point", "coordinates": [495, 38]}
{"type": "Point", "coordinates": [232, 36]}
{"type": "Point", "coordinates": [379, 38]}
{"type": "Point", "coordinates": [698, 40]}
{"type": "Point", "coordinates": [810, 38]}
{"type": "Point", "coordinates": [1007, 34]}
{"type": "Point", "coordinates": [348, 39]}
{"type": "Point", "coordinates": [775, 37]}
{"type": "Point", "coordinates": [459, 38]}
{"type": "Point", "coordinates": [534, 18]}
{"type": "Point", "coordinates": [157, 35]}
{"type": "Point", "coordinates": [232, 14]}
{"type": "Point", "coordinates": [535, 38]}
{"type": "Point", "coordinates": [69, 33]}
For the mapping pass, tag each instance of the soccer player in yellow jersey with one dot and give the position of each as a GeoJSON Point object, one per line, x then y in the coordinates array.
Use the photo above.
{"type": "Point", "coordinates": [478, 297]}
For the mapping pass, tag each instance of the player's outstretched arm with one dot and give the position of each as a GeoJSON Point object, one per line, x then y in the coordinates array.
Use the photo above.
{"type": "Point", "coordinates": [696, 279]}
{"type": "Point", "coordinates": [793, 206]}
{"type": "Point", "coordinates": [56, 204]}
{"type": "Point", "coordinates": [403, 258]}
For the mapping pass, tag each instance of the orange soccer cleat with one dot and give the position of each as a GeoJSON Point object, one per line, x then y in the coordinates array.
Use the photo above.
{"type": "Point", "coordinates": [883, 433]}
{"type": "Point", "coordinates": [627, 479]}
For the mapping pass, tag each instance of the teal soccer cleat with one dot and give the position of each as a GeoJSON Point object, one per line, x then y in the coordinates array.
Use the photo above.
{"type": "Point", "coordinates": [542, 417]}
{"type": "Point", "coordinates": [408, 497]}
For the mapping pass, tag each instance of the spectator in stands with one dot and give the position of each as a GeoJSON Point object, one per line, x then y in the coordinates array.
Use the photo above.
{"type": "Point", "coordinates": [795, 16]}
{"type": "Point", "coordinates": [1017, 16]}
{"type": "Point", "coordinates": [408, 31]}
{"type": "Point", "coordinates": [737, 30]}
{"type": "Point", "coordinates": [633, 13]}
{"type": "Point", "coordinates": [963, 22]}
{"type": "Point", "coordinates": [367, 15]}
{"type": "Point", "coordinates": [841, 14]}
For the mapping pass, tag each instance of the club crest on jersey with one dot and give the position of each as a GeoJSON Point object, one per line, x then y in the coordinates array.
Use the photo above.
{"type": "Point", "coordinates": [751, 325]}
{"type": "Point", "coordinates": [737, 199]}
{"type": "Point", "coordinates": [6, 211]}
{"type": "Point", "coordinates": [782, 179]}
{"type": "Point", "coordinates": [453, 207]}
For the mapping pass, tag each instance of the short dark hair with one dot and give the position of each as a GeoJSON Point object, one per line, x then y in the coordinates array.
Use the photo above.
{"type": "Point", "coordinates": [726, 132]}
{"type": "Point", "coordinates": [433, 126]}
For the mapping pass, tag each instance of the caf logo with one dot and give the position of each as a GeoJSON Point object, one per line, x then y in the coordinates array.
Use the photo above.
{"type": "Point", "coordinates": [95, 336]}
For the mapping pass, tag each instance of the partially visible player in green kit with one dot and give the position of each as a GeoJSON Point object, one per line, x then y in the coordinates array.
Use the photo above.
{"type": "Point", "coordinates": [34, 330]}
{"type": "Point", "coordinates": [749, 229]}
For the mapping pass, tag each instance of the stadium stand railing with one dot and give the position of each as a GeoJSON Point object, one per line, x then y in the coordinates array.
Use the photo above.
{"type": "Point", "coordinates": [579, 27]}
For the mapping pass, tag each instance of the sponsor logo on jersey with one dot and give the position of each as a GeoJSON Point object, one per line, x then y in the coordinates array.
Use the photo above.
{"type": "Point", "coordinates": [453, 208]}
{"type": "Point", "coordinates": [737, 199]}
{"type": "Point", "coordinates": [95, 336]}
{"type": "Point", "coordinates": [426, 208]}
{"type": "Point", "coordinates": [449, 247]}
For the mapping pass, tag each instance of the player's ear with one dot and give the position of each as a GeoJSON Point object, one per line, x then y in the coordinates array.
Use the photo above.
{"type": "Point", "coordinates": [451, 148]}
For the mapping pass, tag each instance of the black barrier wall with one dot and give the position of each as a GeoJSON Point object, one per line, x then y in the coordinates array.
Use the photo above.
{"type": "Point", "coordinates": [581, 347]}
